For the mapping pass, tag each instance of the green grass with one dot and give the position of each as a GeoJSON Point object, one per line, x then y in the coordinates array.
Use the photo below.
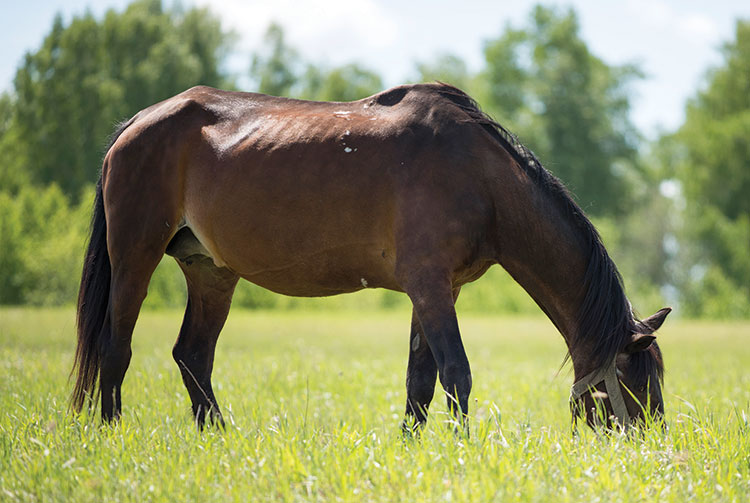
{"type": "Point", "coordinates": [314, 402]}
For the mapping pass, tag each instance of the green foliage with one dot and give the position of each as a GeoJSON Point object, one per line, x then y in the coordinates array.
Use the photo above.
{"type": "Point", "coordinates": [42, 247]}
{"type": "Point", "coordinates": [710, 157]}
{"type": "Point", "coordinates": [275, 67]}
{"type": "Point", "coordinates": [496, 292]}
{"type": "Point", "coordinates": [92, 73]}
{"type": "Point", "coordinates": [276, 70]}
{"type": "Point", "coordinates": [715, 170]}
{"type": "Point", "coordinates": [167, 288]}
{"type": "Point", "coordinates": [568, 105]}
{"type": "Point", "coordinates": [714, 295]}
{"type": "Point", "coordinates": [345, 83]}
{"type": "Point", "coordinates": [639, 253]}
{"type": "Point", "coordinates": [10, 250]}
{"type": "Point", "coordinates": [715, 263]}
{"type": "Point", "coordinates": [13, 162]}
{"type": "Point", "coordinates": [447, 68]}
{"type": "Point", "coordinates": [506, 79]}
{"type": "Point", "coordinates": [314, 402]}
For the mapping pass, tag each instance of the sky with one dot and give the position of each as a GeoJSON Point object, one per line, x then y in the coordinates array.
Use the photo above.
{"type": "Point", "coordinates": [673, 42]}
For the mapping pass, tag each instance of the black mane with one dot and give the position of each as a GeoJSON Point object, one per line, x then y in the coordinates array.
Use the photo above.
{"type": "Point", "coordinates": [605, 319]}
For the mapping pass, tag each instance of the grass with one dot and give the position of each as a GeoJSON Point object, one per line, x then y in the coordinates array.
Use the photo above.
{"type": "Point", "coordinates": [314, 402]}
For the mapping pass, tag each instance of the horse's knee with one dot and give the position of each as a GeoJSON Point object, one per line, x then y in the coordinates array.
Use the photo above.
{"type": "Point", "coordinates": [456, 379]}
{"type": "Point", "coordinates": [420, 388]}
{"type": "Point", "coordinates": [179, 353]}
{"type": "Point", "coordinates": [190, 358]}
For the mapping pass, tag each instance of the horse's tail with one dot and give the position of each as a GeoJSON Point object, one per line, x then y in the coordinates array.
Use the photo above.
{"type": "Point", "coordinates": [93, 301]}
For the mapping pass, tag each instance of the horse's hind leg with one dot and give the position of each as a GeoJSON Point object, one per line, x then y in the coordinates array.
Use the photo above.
{"type": "Point", "coordinates": [421, 374]}
{"type": "Point", "coordinates": [130, 278]}
{"type": "Point", "coordinates": [210, 290]}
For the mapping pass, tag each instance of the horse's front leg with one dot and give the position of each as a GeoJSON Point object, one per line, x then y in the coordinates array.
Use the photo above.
{"type": "Point", "coordinates": [421, 375]}
{"type": "Point", "coordinates": [433, 298]}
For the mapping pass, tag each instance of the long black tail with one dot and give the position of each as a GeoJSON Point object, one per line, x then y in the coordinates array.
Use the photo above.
{"type": "Point", "coordinates": [93, 300]}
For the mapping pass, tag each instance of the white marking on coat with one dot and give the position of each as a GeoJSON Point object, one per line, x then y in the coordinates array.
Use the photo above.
{"type": "Point", "coordinates": [364, 282]}
{"type": "Point", "coordinates": [347, 149]}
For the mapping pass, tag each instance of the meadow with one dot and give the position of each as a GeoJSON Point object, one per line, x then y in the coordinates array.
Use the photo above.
{"type": "Point", "coordinates": [314, 401]}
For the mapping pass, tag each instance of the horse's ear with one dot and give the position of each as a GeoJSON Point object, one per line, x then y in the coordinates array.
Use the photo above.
{"type": "Point", "coordinates": [638, 342]}
{"type": "Point", "coordinates": [642, 338]}
{"type": "Point", "coordinates": [653, 322]}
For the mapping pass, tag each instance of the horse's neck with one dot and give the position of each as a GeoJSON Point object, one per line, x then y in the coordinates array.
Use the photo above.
{"type": "Point", "coordinates": [545, 252]}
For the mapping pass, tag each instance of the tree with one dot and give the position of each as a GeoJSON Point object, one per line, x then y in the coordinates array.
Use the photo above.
{"type": "Point", "coordinates": [13, 172]}
{"type": "Point", "coordinates": [710, 157]}
{"type": "Point", "coordinates": [567, 104]}
{"type": "Point", "coordinates": [447, 68]}
{"type": "Point", "coordinates": [716, 134]}
{"type": "Point", "coordinates": [345, 83]}
{"type": "Point", "coordinates": [275, 68]}
{"type": "Point", "coordinates": [92, 73]}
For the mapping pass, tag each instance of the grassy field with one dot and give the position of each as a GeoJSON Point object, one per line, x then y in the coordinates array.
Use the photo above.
{"type": "Point", "coordinates": [314, 402]}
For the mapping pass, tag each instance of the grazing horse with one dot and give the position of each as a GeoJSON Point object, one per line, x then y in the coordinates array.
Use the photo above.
{"type": "Point", "coordinates": [413, 189]}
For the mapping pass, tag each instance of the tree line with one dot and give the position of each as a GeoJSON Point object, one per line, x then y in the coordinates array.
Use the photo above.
{"type": "Point", "coordinates": [674, 213]}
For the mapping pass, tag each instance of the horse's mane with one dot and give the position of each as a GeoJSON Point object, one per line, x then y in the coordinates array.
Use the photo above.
{"type": "Point", "coordinates": [605, 319]}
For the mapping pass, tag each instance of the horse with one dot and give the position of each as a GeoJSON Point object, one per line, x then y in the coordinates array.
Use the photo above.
{"type": "Point", "coordinates": [414, 189]}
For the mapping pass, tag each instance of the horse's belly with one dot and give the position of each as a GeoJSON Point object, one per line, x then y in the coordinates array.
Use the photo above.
{"type": "Point", "coordinates": [302, 264]}
{"type": "Point", "coordinates": [321, 274]}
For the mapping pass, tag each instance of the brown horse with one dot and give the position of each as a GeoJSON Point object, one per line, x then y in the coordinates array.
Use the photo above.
{"type": "Point", "coordinates": [413, 189]}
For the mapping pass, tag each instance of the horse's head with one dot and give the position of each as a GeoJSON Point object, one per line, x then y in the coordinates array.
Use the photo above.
{"type": "Point", "coordinates": [630, 388]}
